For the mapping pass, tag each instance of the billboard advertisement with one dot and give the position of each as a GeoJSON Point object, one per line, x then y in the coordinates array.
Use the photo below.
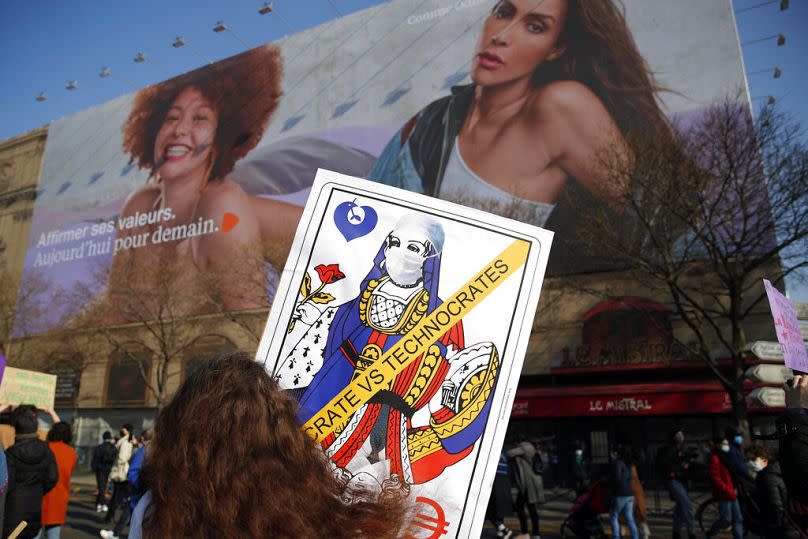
{"type": "Point", "coordinates": [187, 193]}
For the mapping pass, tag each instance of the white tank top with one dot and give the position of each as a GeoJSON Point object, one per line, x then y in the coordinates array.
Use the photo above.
{"type": "Point", "coordinates": [460, 184]}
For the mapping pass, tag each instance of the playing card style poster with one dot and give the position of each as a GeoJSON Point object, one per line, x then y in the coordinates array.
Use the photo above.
{"type": "Point", "coordinates": [400, 325]}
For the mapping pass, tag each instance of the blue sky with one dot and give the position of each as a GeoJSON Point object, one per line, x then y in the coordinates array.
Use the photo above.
{"type": "Point", "coordinates": [47, 44]}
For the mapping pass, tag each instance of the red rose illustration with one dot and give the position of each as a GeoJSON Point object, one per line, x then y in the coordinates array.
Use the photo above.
{"type": "Point", "coordinates": [329, 274]}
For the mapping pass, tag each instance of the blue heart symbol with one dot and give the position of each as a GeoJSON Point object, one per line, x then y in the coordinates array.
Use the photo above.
{"type": "Point", "coordinates": [354, 221]}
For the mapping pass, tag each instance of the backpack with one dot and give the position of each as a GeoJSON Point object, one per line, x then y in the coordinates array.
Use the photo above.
{"type": "Point", "coordinates": [109, 454]}
{"type": "Point", "coordinates": [538, 464]}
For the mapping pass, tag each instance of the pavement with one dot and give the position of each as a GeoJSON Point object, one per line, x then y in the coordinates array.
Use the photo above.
{"type": "Point", "coordinates": [83, 522]}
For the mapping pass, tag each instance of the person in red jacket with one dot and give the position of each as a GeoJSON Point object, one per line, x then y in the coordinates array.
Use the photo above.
{"type": "Point", "coordinates": [729, 510]}
{"type": "Point", "coordinates": [54, 503]}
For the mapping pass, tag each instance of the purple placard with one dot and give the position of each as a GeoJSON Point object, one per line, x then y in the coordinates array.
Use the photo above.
{"type": "Point", "coordinates": [3, 361]}
{"type": "Point", "coordinates": [788, 329]}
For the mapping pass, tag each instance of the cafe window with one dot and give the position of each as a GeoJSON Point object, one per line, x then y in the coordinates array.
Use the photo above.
{"type": "Point", "coordinates": [126, 379]}
{"type": "Point", "coordinates": [205, 349]}
{"type": "Point", "coordinates": [626, 331]}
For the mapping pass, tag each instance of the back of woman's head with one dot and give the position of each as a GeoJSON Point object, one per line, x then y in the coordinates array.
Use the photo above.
{"type": "Point", "coordinates": [24, 418]}
{"type": "Point", "coordinates": [60, 432]}
{"type": "Point", "coordinates": [229, 460]}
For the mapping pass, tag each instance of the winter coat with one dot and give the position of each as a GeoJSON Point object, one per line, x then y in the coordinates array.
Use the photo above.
{"type": "Point", "coordinates": [121, 466]}
{"type": "Point", "coordinates": [772, 496]}
{"type": "Point", "coordinates": [619, 479]}
{"type": "Point", "coordinates": [529, 484]}
{"type": "Point", "coordinates": [721, 479]}
{"type": "Point", "coordinates": [54, 504]}
{"type": "Point", "coordinates": [670, 462]}
{"type": "Point", "coordinates": [32, 472]}
{"type": "Point", "coordinates": [794, 454]}
{"type": "Point", "coordinates": [640, 505]}
{"type": "Point", "coordinates": [101, 457]}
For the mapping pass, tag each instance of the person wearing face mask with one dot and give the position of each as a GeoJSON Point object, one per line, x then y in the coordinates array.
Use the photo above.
{"type": "Point", "coordinates": [735, 459]}
{"type": "Point", "coordinates": [771, 494]}
{"type": "Point", "coordinates": [672, 464]}
{"type": "Point", "coordinates": [399, 290]}
{"type": "Point", "coordinates": [724, 491]}
{"type": "Point", "coordinates": [580, 472]}
{"type": "Point", "coordinates": [120, 486]}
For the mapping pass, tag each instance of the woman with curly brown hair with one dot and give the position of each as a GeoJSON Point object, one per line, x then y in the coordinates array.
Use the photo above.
{"type": "Point", "coordinates": [229, 460]}
{"type": "Point", "coordinates": [189, 132]}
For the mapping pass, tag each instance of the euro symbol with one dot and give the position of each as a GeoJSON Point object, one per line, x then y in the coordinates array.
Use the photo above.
{"type": "Point", "coordinates": [435, 524]}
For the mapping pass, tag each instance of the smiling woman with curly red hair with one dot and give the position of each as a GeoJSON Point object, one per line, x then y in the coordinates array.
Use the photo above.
{"type": "Point", "coordinates": [229, 460]}
{"type": "Point", "coordinates": [189, 132]}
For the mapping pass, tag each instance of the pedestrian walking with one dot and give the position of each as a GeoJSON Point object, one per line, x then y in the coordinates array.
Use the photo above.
{"type": "Point", "coordinates": [32, 473]}
{"type": "Point", "coordinates": [54, 503]}
{"type": "Point", "coordinates": [500, 501]}
{"type": "Point", "coordinates": [120, 486]}
{"type": "Point", "coordinates": [640, 505]}
{"type": "Point", "coordinates": [673, 464]}
{"type": "Point", "coordinates": [133, 478]}
{"type": "Point", "coordinates": [103, 459]}
{"type": "Point", "coordinates": [735, 458]}
{"type": "Point", "coordinates": [724, 491]}
{"type": "Point", "coordinates": [529, 485]}
{"type": "Point", "coordinates": [622, 493]}
{"type": "Point", "coordinates": [771, 495]}
{"type": "Point", "coordinates": [580, 472]}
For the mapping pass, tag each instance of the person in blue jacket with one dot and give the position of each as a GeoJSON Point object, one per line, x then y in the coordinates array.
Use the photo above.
{"type": "Point", "coordinates": [133, 477]}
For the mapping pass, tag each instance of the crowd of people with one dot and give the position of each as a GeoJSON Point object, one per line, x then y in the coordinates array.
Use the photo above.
{"type": "Point", "coordinates": [173, 482]}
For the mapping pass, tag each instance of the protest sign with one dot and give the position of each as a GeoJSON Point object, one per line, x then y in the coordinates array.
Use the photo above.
{"type": "Point", "coordinates": [3, 362]}
{"type": "Point", "coordinates": [400, 325]}
{"type": "Point", "coordinates": [28, 387]}
{"type": "Point", "coordinates": [788, 329]}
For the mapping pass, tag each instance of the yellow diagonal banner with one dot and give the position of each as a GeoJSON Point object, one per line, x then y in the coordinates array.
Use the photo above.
{"type": "Point", "coordinates": [413, 344]}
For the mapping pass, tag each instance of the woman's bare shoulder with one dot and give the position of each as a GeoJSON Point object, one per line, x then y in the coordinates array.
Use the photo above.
{"type": "Point", "coordinates": [567, 99]}
{"type": "Point", "coordinates": [222, 196]}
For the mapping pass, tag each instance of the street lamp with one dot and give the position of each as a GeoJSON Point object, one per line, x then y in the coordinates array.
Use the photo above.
{"type": "Point", "coordinates": [775, 71]}
{"type": "Point", "coordinates": [221, 27]}
{"type": "Point", "coordinates": [769, 99]}
{"type": "Point", "coordinates": [42, 97]}
{"type": "Point", "coordinates": [266, 8]}
{"type": "Point", "coordinates": [783, 6]}
{"type": "Point", "coordinates": [178, 42]}
{"type": "Point", "coordinates": [72, 85]}
{"type": "Point", "coordinates": [105, 72]}
{"type": "Point", "coordinates": [140, 57]}
{"type": "Point", "coordinates": [781, 40]}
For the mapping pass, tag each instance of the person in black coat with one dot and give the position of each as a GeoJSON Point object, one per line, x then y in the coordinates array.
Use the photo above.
{"type": "Point", "coordinates": [771, 495]}
{"type": "Point", "coordinates": [32, 473]}
{"type": "Point", "coordinates": [792, 427]}
{"type": "Point", "coordinates": [103, 458]}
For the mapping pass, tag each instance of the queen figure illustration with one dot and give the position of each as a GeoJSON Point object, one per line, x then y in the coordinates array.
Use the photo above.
{"type": "Point", "coordinates": [432, 413]}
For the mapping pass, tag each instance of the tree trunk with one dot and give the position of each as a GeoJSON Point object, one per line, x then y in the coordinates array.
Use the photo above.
{"type": "Point", "coordinates": [738, 399]}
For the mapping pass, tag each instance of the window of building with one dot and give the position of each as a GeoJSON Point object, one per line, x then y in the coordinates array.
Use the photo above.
{"type": "Point", "coordinates": [126, 379]}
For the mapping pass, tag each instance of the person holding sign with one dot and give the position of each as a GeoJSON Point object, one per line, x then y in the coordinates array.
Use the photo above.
{"type": "Point", "coordinates": [189, 132]}
{"type": "Point", "coordinates": [32, 472]}
{"type": "Point", "coordinates": [229, 460]}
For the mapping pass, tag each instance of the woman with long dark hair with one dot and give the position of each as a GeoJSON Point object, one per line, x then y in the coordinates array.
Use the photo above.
{"type": "Point", "coordinates": [229, 460]}
{"type": "Point", "coordinates": [559, 93]}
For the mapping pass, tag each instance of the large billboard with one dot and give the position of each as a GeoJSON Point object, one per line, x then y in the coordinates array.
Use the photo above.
{"type": "Point", "coordinates": [188, 192]}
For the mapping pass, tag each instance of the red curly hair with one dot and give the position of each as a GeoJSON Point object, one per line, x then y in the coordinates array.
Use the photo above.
{"type": "Point", "coordinates": [244, 89]}
{"type": "Point", "coordinates": [229, 459]}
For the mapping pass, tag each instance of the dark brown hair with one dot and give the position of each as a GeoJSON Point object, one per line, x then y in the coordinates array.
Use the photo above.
{"type": "Point", "coordinates": [601, 53]}
{"type": "Point", "coordinates": [244, 90]}
{"type": "Point", "coordinates": [60, 432]}
{"type": "Point", "coordinates": [230, 460]}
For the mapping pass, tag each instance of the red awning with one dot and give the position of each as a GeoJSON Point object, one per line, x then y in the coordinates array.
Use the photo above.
{"type": "Point", "coordinates": [679, 398]}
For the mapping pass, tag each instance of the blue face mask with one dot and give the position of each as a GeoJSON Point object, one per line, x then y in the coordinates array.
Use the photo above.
{"type": "Point", "coordinates": [738, 440]}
